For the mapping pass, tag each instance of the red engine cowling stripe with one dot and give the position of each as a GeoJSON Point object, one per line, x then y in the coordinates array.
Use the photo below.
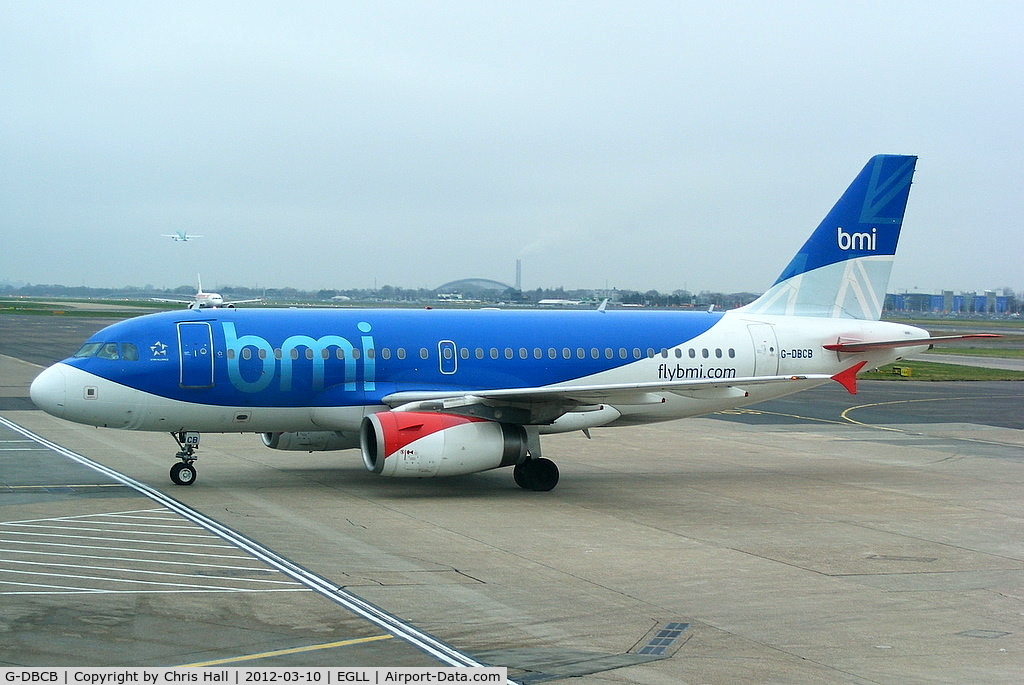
{"type": "Point", "coordinates": [401, 428]}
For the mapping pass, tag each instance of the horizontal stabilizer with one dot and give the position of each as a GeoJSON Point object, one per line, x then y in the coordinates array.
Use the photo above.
{"type": "Point", "coordinates": [853, 347]}
{"type": "Point", "coordinates": [848, 378]}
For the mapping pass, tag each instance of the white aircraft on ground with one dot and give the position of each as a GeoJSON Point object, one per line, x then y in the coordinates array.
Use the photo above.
{"type": "Point", "coordinates": [435, 392]}
{"type": "Point", "coordinates": [203, 300]}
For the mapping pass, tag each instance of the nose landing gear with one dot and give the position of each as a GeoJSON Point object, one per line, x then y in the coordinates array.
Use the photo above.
{"type": "Point", "coordinates": [184, 472]}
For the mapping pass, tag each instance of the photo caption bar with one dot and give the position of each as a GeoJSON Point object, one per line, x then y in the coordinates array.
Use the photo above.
{"type": "Point", "coordinates": [242, 676]}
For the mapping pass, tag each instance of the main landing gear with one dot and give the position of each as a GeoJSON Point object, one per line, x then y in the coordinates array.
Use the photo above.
{"type": "Point", "coordinates": [184, 472]}
{"type": "Point", "coordinates": [539, 475]}
{"type": "Point", "coordinates": [536, 473]}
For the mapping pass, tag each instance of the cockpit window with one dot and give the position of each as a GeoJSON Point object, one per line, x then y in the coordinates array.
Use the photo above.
{"type": "Point", "coordinates": [89, 349]}
{"type": "Point", "coordinates": [108, 351]}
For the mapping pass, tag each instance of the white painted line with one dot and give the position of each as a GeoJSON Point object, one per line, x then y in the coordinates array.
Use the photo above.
{"type": "Point", "coordinates": [137, 571]}
{"type": "Point", "coordinates": [92, 516]}
{"type": "Point", "coordinates": [122, 581]}
{"type": "Point", "coordinates": [77, 590]}
{"type": "Point", "coordinates": [162, 562]}
{"type": "Point", "coordinates": [201, 536]}
{"type": "Point", "coordinates": [164, 552]}
{"type": "Point", "coordinates": [96, 537]}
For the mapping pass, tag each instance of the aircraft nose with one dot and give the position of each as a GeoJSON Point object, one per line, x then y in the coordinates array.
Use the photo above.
{"type": "Point", "coordinates": [49, 390]}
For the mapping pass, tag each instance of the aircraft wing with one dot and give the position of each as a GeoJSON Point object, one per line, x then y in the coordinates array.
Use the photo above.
{"type": "Point", "coordinates": [241, 301]}
{"type": "Point", "coordinates": [544, 404]}
{"type": "Point", "coordinates": [161, 299]}
{"type": "Point", "coordinates": [853, 347]}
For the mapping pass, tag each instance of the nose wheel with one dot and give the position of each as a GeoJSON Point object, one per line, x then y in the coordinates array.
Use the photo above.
{"type": "Point", "coordinates": [184, 472]}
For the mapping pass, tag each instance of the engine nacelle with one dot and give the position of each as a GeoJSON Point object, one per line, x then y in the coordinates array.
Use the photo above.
{"type": "Point", "coordinates": [423, 444]}
{"type": "Point", "coordinates": [311, 441]}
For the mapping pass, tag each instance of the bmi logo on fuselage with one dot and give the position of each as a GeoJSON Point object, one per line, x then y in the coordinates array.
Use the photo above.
{"type": "Point", "coordinates": [277, 363]}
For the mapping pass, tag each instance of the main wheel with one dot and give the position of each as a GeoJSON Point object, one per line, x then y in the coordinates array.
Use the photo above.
{"type": "Point", "coordinates": [539, 475]}
{"type": "Point", "coordinates": [183, 473]}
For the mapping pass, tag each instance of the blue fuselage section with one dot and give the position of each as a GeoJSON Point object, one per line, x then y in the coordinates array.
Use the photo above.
{"type": "Point", "coordinates": [351, 357]}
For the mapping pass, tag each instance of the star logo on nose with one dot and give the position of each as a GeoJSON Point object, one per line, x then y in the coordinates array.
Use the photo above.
{"type": "Point", "coordinates": [158, 349]}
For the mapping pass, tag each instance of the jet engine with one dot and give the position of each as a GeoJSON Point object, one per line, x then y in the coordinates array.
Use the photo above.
{"type": "Point", "coordinates": [424, 444]}
{"type": "Point", "coordinates": [311, 441]}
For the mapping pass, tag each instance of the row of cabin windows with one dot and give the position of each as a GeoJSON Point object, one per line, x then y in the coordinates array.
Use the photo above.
{"type": "Point", "coordinates": [495, 353]}
{"type": "Point", "coordinates": [129, 352]}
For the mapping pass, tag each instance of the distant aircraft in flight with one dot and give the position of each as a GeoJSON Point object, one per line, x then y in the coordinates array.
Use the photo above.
{"type": "Point", "coordinates": [206, 300]}
{"type": "Point", "coordinates": [181, 236]}
{"type": "Point", "coordinates": [435, 392]}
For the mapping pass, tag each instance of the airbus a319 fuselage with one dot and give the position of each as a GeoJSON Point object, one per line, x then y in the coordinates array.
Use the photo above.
{"type": "Point", "coordinates": [441, 392]}
{"type": "Point", "coordinates": [237, 370]}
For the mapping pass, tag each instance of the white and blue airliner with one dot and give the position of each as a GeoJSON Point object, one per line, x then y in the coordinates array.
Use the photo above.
{"type": "Point", "coordinates": [436, 392]}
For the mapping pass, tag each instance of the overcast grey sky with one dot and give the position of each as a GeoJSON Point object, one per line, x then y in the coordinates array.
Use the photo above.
{"type": "Point", "coordinates": [635, 145]}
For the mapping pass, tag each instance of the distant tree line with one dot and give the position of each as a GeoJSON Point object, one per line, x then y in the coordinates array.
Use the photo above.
{"type": "Point", "coordinates": [396, 294]}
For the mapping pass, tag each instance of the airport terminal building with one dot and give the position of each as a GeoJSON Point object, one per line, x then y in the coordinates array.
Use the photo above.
{"type": "Point", "coordinates": [967, 303]}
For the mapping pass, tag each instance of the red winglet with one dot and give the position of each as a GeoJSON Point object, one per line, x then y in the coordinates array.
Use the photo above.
{"type": "Point", "coordinates": [848, 378]}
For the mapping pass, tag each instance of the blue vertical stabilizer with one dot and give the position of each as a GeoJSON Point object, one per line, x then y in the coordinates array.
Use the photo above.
{"type": "Point", "coordinates": [843, 268]}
